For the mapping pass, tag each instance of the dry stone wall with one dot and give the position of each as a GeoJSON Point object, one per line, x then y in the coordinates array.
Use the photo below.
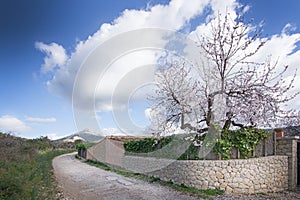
{"type": "Point", "coordinates": [257, 175]}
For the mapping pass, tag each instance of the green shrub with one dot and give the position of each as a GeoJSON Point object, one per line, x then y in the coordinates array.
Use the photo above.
{"type": "Point", "coordinates": [179, 147]}
{"type": "Point", "coordinates": [170, 147]}
{"type": "Point", "coordinates": [146, 145]}
{"type": "Point", "coordinates": [81, 146]}
{"type": "Point", "coordinates": [223, 148]}
{"type": "Point", "coordinates": [191, 153]}
{"type": "Point", "coordinates": [245, 140]}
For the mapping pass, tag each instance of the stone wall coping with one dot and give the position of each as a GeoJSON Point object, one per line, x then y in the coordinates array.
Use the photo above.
{"type": "Point", "coordinates": [239, 161]}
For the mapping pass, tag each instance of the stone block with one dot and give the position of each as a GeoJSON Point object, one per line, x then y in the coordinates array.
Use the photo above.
{"type": "Point", "coordinates": [219, 175]}
{"type": "Point", "coordinates": [228, 189]}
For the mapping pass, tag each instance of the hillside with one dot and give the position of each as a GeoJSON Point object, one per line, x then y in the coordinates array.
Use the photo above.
{"type": "Point", "coordinates": [26, 169]}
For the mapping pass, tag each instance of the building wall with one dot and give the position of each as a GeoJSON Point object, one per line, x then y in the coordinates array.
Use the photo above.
{"type": "Point", "coordinates": [97, 152]}
{"type": "Point", "coordinates": [107, 151]}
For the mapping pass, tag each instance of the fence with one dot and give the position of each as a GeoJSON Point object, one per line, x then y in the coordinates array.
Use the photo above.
{"type": "Point", "coordinates": [266, 147]}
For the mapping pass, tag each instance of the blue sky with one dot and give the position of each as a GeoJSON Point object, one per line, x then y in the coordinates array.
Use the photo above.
{"type": "Point", "coordinates": [28, 106]}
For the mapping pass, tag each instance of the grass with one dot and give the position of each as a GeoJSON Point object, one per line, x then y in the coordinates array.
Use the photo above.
{"type": "Point", "coordinates": [98, 164]}
{"type": "Point", "coordinates": [29, 179]}
{"type": "Point", "coordinates": [26, 168]}
{"type": "Point", "coordinates": [207, 194]}
{"type": "Point", "coordinates": [117, 171]}
{"type": "Point", "coordinates": [197, 192]}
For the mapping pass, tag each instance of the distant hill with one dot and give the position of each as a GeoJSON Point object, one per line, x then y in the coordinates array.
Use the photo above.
{"type": "Point", "coordinates": [292, 131]}
{"type": "Point", "coordinates": [85, 135]}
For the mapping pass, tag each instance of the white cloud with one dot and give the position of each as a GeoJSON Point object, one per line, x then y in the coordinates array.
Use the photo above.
{"type": "Point", "coordinates": [283, 49]}
{"type": "Point", "coordinates": [288, 28]}
{"type": "Point", "coordinates": [223, 7]}
{"type": "Point", "coordinates": [55, 56]}
{"type": "Point", "coordinates": [13, 124]}
{"type": "Point", "coordinates": [174, 16]}
{"type": "Point", "coordinates": [111, 131]}
{"type": "Point", "coordinates": [36, 119]}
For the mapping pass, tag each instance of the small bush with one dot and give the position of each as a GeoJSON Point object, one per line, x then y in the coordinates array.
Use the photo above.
{"type": "Point", "coordinates": [170, 147]}
{"type": "Point", "coordinates": [179, 147]}
{"type": "Point", "coordinates": [245, 140]}
{"type": "Point", "coordinates": [146, 145]}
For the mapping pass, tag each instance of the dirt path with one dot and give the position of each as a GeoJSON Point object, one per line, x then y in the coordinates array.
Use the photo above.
{"type": "Point", "coordinates": [81, 181]}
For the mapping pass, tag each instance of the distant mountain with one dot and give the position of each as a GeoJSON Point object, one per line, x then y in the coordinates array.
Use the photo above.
{"type": "Point", "coordinates": [85, 135]}
{"type": "Point", "coordinates": [292, 131]}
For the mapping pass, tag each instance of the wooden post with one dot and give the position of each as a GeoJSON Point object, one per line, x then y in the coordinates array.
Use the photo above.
{"type": "Point", "coordinates": [265, 148]}
{"type": "Point", "coordinates": [275, 143]}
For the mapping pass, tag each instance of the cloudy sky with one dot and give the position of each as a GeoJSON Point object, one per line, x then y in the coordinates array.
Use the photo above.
{"type": "Point", "coordinates": [46, 47]}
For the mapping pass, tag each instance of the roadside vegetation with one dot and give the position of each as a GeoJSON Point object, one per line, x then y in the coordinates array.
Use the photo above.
{"type": "Point", "coordinates": [26, 167]}
{"type": "Point", "coordinates": [244, 140]}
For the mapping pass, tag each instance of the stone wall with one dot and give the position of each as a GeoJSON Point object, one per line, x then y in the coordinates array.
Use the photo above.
{"type": "Point", "coordinates": [257, 175]}
{"type": "Point", "coordinates": [288, 146]}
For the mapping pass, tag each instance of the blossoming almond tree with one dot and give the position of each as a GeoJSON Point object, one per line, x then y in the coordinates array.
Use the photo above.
{"type": "Point", "coordinates": [250, 93]}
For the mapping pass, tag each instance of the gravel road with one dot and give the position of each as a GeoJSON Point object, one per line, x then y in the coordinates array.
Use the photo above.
{"type": "Point", "coordinates": [81, 181]}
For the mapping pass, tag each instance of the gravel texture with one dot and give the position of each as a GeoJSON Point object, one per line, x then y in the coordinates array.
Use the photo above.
{"type": "Point", "coordinates": [81, 181]}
